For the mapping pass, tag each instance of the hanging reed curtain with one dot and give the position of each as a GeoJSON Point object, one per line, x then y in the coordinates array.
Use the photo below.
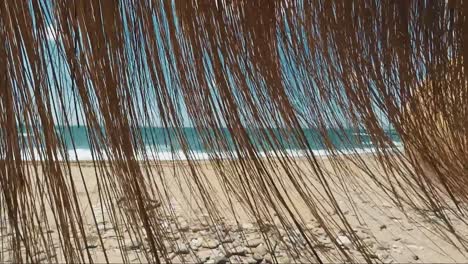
{"type": "Point", "coordinates": [116, 66]}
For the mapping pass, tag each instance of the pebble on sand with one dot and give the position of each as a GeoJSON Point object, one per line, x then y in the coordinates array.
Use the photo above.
{"type": "Point", "coordinates": [181, 248]}
{"type": "Point", "coordinates": [216, 259]}
{"type": "Point", "coordinates": [183, 226]}
{"type": "Point", "coordinates": [242, 260]}
{"type": "Point", "coordinates": [236, 251]}
{"type": "Point", "coordinates": [254, 242]}
{"type": "Point", "coordinates": [195, 243]}
{"type": "Point", "coordinates": [132, 244]}
{"type": "Point", "coordinates": [204, 255]}
{"type": "Point", "coordinates": [210, 243]}
{"type": "Point", "coordinates": [344, 241]}
{"type": "Point", "coordinates": [260, 250]}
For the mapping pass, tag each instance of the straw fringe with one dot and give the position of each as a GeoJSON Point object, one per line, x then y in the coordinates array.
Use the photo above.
{"type": "Point", "coordinates": [117, 65]}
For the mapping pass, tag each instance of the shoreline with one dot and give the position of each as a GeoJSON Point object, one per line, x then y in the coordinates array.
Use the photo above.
{"type": "Point", "coordinates": [300, 155]}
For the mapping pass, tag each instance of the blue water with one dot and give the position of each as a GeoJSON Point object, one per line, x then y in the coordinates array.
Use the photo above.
{"type": "Point", "coordinates": [161, 143]}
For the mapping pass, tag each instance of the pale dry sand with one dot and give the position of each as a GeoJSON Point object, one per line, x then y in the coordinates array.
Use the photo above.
{"type": "Point", "coordinates": [391, 235]}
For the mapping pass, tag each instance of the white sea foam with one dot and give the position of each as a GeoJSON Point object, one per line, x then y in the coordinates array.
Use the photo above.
{"type": "Point", "coordinates": [151, 154]}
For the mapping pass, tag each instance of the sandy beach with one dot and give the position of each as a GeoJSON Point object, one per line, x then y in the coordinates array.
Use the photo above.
{"type": "Point", "coordinates": [235, 236]}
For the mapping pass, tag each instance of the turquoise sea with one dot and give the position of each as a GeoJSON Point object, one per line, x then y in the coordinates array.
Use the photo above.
{"type": "Point", "coordinates": [162, 144]}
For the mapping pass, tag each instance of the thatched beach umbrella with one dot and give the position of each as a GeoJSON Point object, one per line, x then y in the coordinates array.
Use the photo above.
{"type": "Point", "coordinates": [438, 140]}
{"type": "Point", "coordinates": [238, 73]}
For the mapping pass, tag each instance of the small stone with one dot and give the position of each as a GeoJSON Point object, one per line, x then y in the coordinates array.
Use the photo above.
{"type": "Point", "coordinates": [282, 232]}
{"type": "Point", "coordinates": [387, 205]}
{"type": "Point", "coordinates": [227, 239]}
{"type": "Point", "coordinates": [42, 258]}
{"type": "Point", "coordinates": [196, 243]}
{"type": "Point", "coordinates": [217, 259]}
{"type": "Point", "coordinates": [323, 239]}
{"type": "Point", "coordinates": [247, 226]}
{"type": "Point", "coordinates": [260, 250]}
{"type": "Point", "coordinates": [415, 257]}
{"type": "Point", "coordinates": [205, 233]}
{"type": "Point", "coordinates": [382, 227]}
{"type": "Point", "coordinates": [366, 231]}
{"type": "Point", "coordinates": [281, 247]}
{"type": "Point", "coordinates": [369, 242]}
{"type": "Point", "coordinates": [254, 242]}
{"type": "Point", "coordinates": [91, 246]}
{"type": "Point", "coordinates": [344, 241]}
{"type": "Point", "coordinates": [382, 247]}
{"type": "Point", "coordinates": [283, 259]}
{"type": "Point", "coordinates": [236, 250]}
{"type": "Point", "coordinates": [235, 227]}
{"type": "Point", "coordinates": [383, 255]}
{"type": "Point", "coordinates": [242, 260]}
{"type": "Point", "coordinates": [257, 256]}
{"type": "Point", "coordinates": [210, 243]}
{"type": "Point", "coordinates": [173, 236]}
{"type": "Point", "coordinates": [199, 228]}
{"type": "Point", "coordinates": [132, 245]}
{"type": "Point", "coordinates": [267, 259]}
{"type": "Point", "coordinates": [415, 247]}
{"type": "Point", "coordinates": [185, 259]}
{"type": "Point", "coordinates": [183, 226]}
{"type": "Point", "coordinates": [181, 248]}
{"type": "Point", "coordinates": [102, 225]}
{"type": "Point", "coordinates": [235, 260]}
{"type": "Point", "coordinates": [204, 255]}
